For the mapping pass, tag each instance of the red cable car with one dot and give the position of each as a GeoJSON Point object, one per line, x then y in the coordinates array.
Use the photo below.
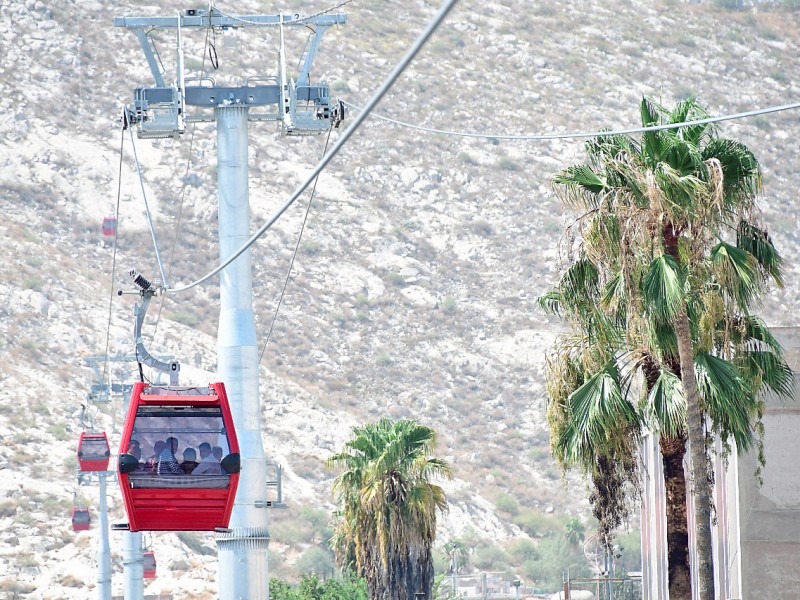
{"type": "Point", "coordinates": [188, 482]}
{"type": "Point", "coordinates": [149, 560]}
{"type": "Point", "coordinates": [110, 226]}
{"type": "Point", "coordinates": [93, 452]}
{"type": "Point", "coordinates": [80, 519]}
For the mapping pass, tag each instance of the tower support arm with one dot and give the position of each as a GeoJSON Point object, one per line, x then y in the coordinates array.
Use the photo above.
{"type": "Point", "coordinates": [202, 20]}
{"type": "Point", "coordinates": [146, 43]}
{"type": "Point", "coordinates": [313, 46]}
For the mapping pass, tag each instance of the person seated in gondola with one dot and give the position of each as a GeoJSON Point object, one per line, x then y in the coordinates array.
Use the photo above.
{"type": "Point", "coordinates": [152, 460]}
{"type": "Point", "coordinates": [209, 464]}
{"type": "Point", "coordinates": [189, 460]}
{"type": "Point", "coordinates": [135, 450]}
{"type": "Point", "coordinates": [167, 463]}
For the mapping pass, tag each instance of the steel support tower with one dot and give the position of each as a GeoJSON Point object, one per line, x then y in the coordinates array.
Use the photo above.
{"type": "Point", "coordinates": [301, 108]}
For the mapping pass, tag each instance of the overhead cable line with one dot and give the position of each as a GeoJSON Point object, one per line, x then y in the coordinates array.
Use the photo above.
{"type": "Point", "coordinates": [585, 134]}
{"type": "Point", "coordinates": [113, 262]}
{"type": "Point", "coordinates": [144, 197]}
{"type": "Point", "coordinates": [379, 94]}
{"type": "Point", "coordinates": [294, 256]}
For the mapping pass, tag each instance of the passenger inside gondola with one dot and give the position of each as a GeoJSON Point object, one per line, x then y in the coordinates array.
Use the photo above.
{"type": "Point", "coordinates": [189, 460]}
{"type": "Point", "coordinates": [93, 447]}
{"type": "Point", "coordinates": [209, 464]}
{"type": "Point", "coordinates": [135, 450]}
{"type": "Point", "coordinates": [152, 460]}
{"type": "Point", "coordinates": [167, 461]}
{"type": "Point", "coordinates": [175, 432]}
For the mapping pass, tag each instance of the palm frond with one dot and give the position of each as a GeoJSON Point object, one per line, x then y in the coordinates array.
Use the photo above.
{"type": "Point", "coordinates": [667, 405]}
{"type": "Point", "coordinates": [580, 280]}
{"type": "Point", "coordinates": [605, 149]}
{"type": "Point", "coordinates": [598, 410]}
{"type": "Point", "coordinates": [741, 173]}
{"type": "Point", "coordinates": [757, 242]}
{"type": "Point", "coordinates": [736, 272]}
{"type": "Point", "coordinates": [727, 398]}
{"type": "Point", "coordinates": [550, 302]}
{"type": "Point", "coordinates": [662, 287]}
{"type": "Point", "coordinates": [758, 335]}
{"type": "Point", "coordinates": [686, 111]}
{"type": "Point", "coordinates": [769, 369]}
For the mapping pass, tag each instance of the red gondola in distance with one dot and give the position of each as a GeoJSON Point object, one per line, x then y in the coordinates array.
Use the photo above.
{"type": "Point", "coordinates": [149, 564]}
{"type": "Point", "coordinates": [80, 519]}
{"type": "Point", "coordinates": [93, 452]}
{"type": "Point", "coordinates": [178, 459]}
{"type": "Point", "coordinates": [110, 226]}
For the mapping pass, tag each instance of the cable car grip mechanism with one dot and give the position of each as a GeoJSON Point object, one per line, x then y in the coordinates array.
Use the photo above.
{"type": "Point", "coordinates": [147, 290]}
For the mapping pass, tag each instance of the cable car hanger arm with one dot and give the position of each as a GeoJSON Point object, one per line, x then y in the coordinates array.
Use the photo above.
{"type": "Point", "coordinates": [147, 291]}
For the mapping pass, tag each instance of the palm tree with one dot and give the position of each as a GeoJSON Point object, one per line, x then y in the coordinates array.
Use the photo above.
{"type": "Point", "coordinates": [387, 507]}
{"type": "Point", "coordinates": [658, 291]}
{"type": "Point", "coordinates": [574, 531]}
{"type": "Point", "coordinates": [457, 556]}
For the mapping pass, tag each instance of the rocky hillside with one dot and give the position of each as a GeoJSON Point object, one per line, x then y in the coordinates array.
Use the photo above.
{"type": "Point", "coordinates": [413, 292]}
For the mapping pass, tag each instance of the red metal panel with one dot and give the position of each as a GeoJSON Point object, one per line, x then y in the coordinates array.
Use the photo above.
{"type": "Point", "coordinates": [178, 508]}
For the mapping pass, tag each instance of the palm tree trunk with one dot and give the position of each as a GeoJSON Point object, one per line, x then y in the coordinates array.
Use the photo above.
{"type": "Point", "coordinates": [680, 579]}
{"type": "Point", "coordinates": [697, 452]}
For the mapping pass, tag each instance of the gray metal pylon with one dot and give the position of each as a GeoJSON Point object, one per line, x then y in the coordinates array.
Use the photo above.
{"type": "Point", "coordinates": [243, 570]}
{"type": "Point", "coordinates": [104, 549]}
{"type": "Point", "coordinates": [133, 565]}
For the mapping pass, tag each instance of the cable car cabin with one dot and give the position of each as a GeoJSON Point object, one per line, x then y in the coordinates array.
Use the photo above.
{"type": "Point", "coordinates": [179, 458]}
{"type": "Point", "coordinates": [110, 226]}
{"type": "Point", "coordinates": [149, 560]}
{"type": "Point", "coordinates": [80, 519]}
{"type": "Point", "coordinates": [93, 452]}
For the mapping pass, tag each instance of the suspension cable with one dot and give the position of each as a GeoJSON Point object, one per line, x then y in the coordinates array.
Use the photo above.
{"type": "Point", "coordinates": [146, 205]}
{"type": "Point", "coordinates": [586, 134]}
{"type": "Point", "coordinates": [379, 94]}
{"type": "Point", "coordinates": [294, 256]}
{"type": "Point", "coordinates": [106, 370]}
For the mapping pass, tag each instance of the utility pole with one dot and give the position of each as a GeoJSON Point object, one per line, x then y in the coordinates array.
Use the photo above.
{"type": "Point", "coordinates": [301, 109]}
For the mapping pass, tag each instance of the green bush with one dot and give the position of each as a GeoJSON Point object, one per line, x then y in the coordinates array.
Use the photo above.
{"type": "Point", "coordinates": [490, 558]}
{"type": "Point", "coordinates": [315, 560]}
{"type": "Point", "coordinates": [556, 557]}
{"type": "Point", "coordinates": [523, 550]}
{"type": "Point", "coordinates": [311, 588]}
{"type": "Point", "coordinates": [535, 523]}
{"type": "Point", "coordinates": [507, 503]}
{"type": "Point", "coordinates": [448, 305]}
